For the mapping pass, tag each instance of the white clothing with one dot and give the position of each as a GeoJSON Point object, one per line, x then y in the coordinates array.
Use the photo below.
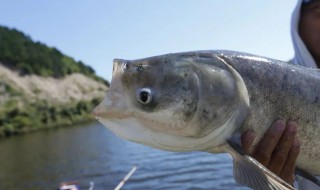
{"type": "Point", "coordinates": [302, 57]}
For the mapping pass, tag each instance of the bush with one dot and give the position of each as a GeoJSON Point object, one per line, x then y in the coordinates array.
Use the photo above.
{"type": "Point", "coordinates": [39, 115]}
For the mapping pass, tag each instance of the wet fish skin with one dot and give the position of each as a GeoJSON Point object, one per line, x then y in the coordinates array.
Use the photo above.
{"type": "Point", "coordinates": [281, 90]}
{"type": "Point", "coordinates": [201, 99]}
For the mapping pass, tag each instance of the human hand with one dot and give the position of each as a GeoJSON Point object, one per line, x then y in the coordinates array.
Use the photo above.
{"type": "Point", "coordinates": [277, 150]}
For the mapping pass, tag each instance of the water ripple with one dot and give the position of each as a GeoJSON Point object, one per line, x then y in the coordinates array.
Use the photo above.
{"type": "Point", "coordinates": [42, 160]}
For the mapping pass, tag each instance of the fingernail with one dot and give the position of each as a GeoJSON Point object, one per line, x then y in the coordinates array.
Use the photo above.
{"type": "Point", "coordinates": [292, 126]}
{"type": "Point", "coordinates": [280, 125]}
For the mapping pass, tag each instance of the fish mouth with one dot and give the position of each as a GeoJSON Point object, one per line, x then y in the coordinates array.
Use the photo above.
{"type": "Point", "coordinates": [114, 105]}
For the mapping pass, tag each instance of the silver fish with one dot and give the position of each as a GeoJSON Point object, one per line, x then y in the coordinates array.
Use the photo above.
{"type": "Point", "coordinates": [203, 100]}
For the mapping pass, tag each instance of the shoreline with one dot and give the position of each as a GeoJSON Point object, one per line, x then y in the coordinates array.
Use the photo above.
{"type": "Point", "coordinates": [32, 130]}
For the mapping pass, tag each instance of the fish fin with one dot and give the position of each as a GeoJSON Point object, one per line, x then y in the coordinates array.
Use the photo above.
{"type": "Point", "coordinates": [307, 176]}
{"type": "Point", "coordinates": [249, 172]}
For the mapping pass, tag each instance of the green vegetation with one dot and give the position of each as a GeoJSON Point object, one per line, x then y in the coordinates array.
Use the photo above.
{"type": "Point", "coordinates": [19, 52]}
{"type": "Point", "coordinates": [18, 113]}
{"type": "Point", "coordinates": [15, 119]}
{"type": "Point", "coordinates": [6, 88]}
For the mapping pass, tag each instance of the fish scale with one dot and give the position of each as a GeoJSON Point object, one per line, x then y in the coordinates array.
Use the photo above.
{"type": "Point", "coordinates": [290, 92]}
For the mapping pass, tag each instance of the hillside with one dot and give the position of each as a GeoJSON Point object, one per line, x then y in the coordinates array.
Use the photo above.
{"type": "Point", "coordinates": [20, 53]}
{"type": "Point", "coordinates": [41, 88]}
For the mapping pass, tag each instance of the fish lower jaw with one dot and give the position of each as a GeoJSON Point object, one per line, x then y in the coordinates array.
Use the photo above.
{"type": "Point", "coordinates": [131, 129]}
{"type": "Point", "coordinates": [114, 116]}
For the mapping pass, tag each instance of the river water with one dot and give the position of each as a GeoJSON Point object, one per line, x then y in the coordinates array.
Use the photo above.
{"type": "Point", "coordinates": [41, 160]}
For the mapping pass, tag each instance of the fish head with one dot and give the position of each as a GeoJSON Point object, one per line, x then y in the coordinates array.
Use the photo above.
{"type": "Point", "coordinates": [163, 102]}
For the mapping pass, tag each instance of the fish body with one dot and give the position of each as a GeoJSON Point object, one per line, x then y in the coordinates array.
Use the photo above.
{"type": "Point", "coordinates": [198, 101]}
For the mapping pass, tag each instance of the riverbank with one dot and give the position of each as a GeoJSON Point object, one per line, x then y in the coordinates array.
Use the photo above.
{"type": "Point", "coordinates": [31, 102]}
{"type": "Point", "coordinates": [40, 87]}
{"type": "Point", "coordinates": [37, 116]}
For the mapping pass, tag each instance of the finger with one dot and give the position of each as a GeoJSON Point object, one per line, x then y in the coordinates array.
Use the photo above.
{"type": "Point", "coordinates": [287, 172]}
{"type": "Point", "coordinates": [280, 153]}
{"type": "Point", "coordinates": [267, 144]}
{"type": "Point", "coordinates": [247, 139]}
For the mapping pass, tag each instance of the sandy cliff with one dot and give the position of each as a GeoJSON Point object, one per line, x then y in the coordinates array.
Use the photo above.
{"type": "Point", "coordinates": [32, 102]}
{"type": "Point", "coordinates": [74, 87]}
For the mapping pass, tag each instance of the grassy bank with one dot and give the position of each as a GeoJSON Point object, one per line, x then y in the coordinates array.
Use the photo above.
{"type": "Point", "coordinates": [40, 87]}
{"type": "Point", "coordinates": [18, 118]}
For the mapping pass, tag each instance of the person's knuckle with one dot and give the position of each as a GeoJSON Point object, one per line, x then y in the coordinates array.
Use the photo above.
{"type": "Point", "coordinates": [263, 155]}
{"type": "Point", "coordinates": [280, 157]}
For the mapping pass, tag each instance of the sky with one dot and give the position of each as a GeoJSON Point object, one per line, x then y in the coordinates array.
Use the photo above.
{"type": "Point", "coordinates": [97, 31]}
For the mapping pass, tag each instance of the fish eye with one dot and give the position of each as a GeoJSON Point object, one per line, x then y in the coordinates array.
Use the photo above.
{"type": "Point", "coordinates": [144, 96]}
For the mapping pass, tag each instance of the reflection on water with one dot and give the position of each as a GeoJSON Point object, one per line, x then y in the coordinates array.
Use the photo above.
{"type": "Point", "coordinates": [42, 160]}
